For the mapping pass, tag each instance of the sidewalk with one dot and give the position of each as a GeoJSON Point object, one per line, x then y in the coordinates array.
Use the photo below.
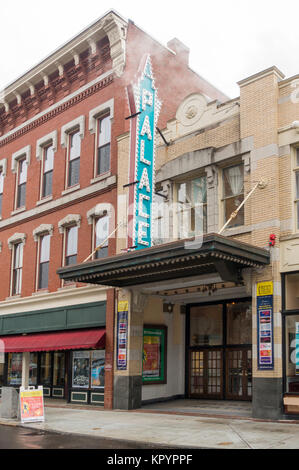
{"type": "Point", "coordinates": [168, 429]}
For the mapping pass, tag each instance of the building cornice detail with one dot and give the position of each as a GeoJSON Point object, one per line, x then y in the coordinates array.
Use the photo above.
{"type": "Point", "coordinates": [264, 73]}
{"type": "Point", "coordinates": [41, 230]}
{"type": "Point", "coordinates": [110, 25]}
{"type": "Point", "coordinates": [95, 113]}
{"type": "Point", "coordinates": [26, 152]}
{"type": "Point", "coordinates": [70, 219]}
{"type": "Point", "coordinates": [100, 210]}
{"type": "Point", "coordinates": [78, 123]}
{"type": "Point", "coordinates": [43, 141]}
{"type": "Point", "coordinates": [48, 115]}
{"type": "Point", "coordinates": [16, 238]}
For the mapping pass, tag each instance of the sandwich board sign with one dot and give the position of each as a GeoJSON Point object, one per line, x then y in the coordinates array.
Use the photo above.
{"type": "Point", "coordinates": [32, 404]}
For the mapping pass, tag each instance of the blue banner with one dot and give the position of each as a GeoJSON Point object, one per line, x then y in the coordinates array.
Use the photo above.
{"type": "Point", "coordinates": [265, 332]}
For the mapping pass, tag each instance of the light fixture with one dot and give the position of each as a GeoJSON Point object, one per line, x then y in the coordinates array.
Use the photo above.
{"type": "Point", "coordinates": [168, 307]}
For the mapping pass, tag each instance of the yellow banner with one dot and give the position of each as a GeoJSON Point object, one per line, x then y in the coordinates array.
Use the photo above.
{"type": "Point", "coordinates": [123, 306]}
{"type": "Point", "coordinates": [264, 288]}
{"type": "Point", "coordinates": [32, 393]}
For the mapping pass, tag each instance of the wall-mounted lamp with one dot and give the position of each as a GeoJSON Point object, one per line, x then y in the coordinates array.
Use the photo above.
{"type": "Point", "coordinates": [168, 307]}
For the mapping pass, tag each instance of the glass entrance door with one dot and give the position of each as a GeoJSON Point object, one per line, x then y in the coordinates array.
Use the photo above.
{"type": "Point", "coordinates": [239, 374]}
{"type": "Point", "coordinates": [206, 373]}
{"type": "Point", "coordinates": [219, 350]}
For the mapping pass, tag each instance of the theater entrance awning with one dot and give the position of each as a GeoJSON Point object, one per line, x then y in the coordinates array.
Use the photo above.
{"type": "Point", "coordinates": [183, 258]}
{"type": "Point", "coordinates": [60, 340]}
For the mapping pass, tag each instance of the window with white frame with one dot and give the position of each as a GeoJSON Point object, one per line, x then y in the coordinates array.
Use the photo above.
{"type": "Point", "coordinates": [99, 218]}
{"type": "Point", "coordinates": [46, 147]}
{"type": "Point", "coordinates": [17, 268]}
{"type": "Point", "coordinates": [20, 162]}
{"type": "Point", "coordinates": [103, 145]}
{"type": "Point", "coordinates": [296, 171]}
{"type": "Point", "coordinates": [101, 233]}
{"type": "Point", "coordinates": [16, 244]}
{"type": "Point", "coordinates": [192, 207]}
{"type": "Point", "coordinates": [68, 227]}
{"type": "Point", "coordinates": [71, 135]}
{"type": "Point", "coordinates": [74, 152]}
{"type": "Point", "coordinates": [42, 235]}
{"type": "Point", "coordinates": [21, 183]}
{"type": "Point", "coordinates": [71, 248]}
{"type": "Point", "coordinates": [48, 165]}
{"type": "Point", "coordinates": [100, 119]}
{"type": "Point", "coordinates": [3, 165]}
{"type": "Point", "coordinates": [1, 189]}
{"type": "Point", "coordinates": [233, 194]}
{"type": "Point", "coordinates": [44, 261]}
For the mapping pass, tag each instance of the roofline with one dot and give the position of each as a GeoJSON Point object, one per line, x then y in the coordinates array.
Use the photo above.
{"type": "Point", "coordinates": [60, 48]}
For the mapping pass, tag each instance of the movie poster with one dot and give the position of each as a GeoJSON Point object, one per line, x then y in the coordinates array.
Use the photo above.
{"type": "Point", "coordinates": [81, 367]}
{"type": "Point", "coordinates": [97, 369]}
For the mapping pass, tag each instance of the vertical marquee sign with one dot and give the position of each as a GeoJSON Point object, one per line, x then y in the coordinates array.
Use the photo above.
{"type": "Point", "coordinates": [265, 325]}
{"type": "Point", "coordinates": [145, 108]}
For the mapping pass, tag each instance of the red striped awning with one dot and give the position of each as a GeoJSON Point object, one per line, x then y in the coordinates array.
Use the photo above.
{"type": "Point", "coordinates": [59, 340]}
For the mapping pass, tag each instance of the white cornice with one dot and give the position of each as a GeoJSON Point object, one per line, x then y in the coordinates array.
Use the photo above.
{"type": "Point", "coordinates": [111, 24]}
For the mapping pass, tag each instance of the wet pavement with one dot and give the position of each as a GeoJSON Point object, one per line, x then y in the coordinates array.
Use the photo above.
{"type": "Point", "coordinates": [14, 437]}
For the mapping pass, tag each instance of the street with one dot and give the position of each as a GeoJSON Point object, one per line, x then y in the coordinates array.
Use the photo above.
{"type": "Point", "coordinates": [14, 437]}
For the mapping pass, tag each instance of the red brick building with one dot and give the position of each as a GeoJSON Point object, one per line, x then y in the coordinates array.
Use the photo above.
{"type": "Point", "coordinates": [58, 184]}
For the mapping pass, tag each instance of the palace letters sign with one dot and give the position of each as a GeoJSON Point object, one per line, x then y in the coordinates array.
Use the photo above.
{"type": "Point", "coordinates": [144, 103]}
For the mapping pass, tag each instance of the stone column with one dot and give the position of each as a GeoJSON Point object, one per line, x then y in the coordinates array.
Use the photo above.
{"type": "Point", "coordinates": [25, 369]}
{"type": "Point", "coordinates": [128, 383]}
{"type": "Point", "coordinates": [259, 121]}
{"type": "Point", "coordinates": [109, 347]}
{"type": "Point", "coordinates": [212, 199]}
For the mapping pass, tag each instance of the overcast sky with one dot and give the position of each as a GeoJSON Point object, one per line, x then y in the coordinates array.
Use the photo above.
{"type": "Point", "coordinates": [228, 39]}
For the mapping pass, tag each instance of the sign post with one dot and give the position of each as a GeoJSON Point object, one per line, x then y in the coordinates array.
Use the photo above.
{"type": "Point", "coordinates": [32, 404]}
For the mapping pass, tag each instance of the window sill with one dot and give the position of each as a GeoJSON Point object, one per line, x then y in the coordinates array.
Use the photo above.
{"type": "Point", "coordinates": [44, 200]}
{"type": "Point", "coordinates": [40, 292]}
{"type": "Point", "coordinates": [67, 286]}
{"type": "Point", "coordinates": [18, 211]}
{"type": "Point", "coordinates": [71, 189]}
{"type": "Point", "coordinates": [100, 177]}
{"type": "Point", "coordinates": [229, 232]}
{"type": "Point", "coordinates": [13, 297]}
{"type": "Point", "coordinates": [293, 236]}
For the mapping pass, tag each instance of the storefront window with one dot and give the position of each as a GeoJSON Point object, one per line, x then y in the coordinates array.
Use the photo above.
{"type": "Point", "coordinates": [81, 369]}
{"type": "Point", "coordinates": [292, 353]}
{"type": "Point", "coordinates": [206, 325]}
{"type": "Point", "coordinates": [45, 368]}
{"type": "Point", "coordinates": [33, 369]}
{"type": "Point", "coordinates": [14, 375]}
{"type": "Point", "coordinates": [97, 369]}
{"type": "Point", "coordinates": [58, 369]}
{"type": "Point", "coordinates": [238, 315]}
{"type": "Point", "coordinates": [291, 291]}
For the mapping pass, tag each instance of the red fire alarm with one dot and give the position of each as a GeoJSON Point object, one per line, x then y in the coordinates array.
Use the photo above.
{"type": "Point", "coordinates": [272, 239]}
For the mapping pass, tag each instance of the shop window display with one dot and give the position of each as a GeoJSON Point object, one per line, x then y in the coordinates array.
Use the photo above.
{"type": "Point", "coordinates": [14, 375]}
{"type": "Point", "coordinates": [59, 369]}
{"type": "Point", "coordinates": [292, 353]}
{"type": "Point", "coordinates": [88, 369]}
